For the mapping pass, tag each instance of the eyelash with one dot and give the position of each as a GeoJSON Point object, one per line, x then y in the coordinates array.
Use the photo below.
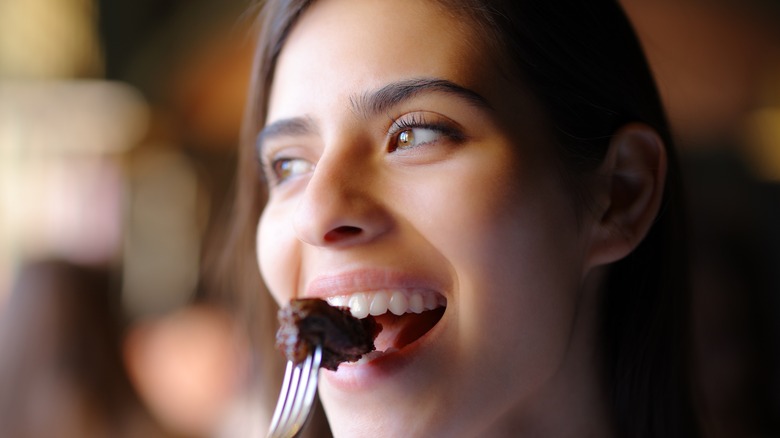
{"type": "Point", "coordinates": [272, 171]}
{"type": "Point", "coordinates": [419, 121]}
{"type": "Point", "coordinates": [268, 169]}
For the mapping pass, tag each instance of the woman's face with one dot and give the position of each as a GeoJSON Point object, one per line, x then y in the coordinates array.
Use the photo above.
{"type": "Point", "coordinates": [407, 172]}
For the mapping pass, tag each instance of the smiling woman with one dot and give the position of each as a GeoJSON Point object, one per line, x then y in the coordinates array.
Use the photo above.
{"type": "Point", "coordinates": [495, 182]}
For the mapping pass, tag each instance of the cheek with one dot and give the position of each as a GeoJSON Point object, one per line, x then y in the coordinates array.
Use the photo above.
{"type": "Point", "coordinates": [498, 221]}
{"type": "Point", "coordinates": [515, 249]}
{"type": "Point", "coordinates": [520, 289]}
{"type": "Point", "coordinates": [511, 238]}
{"type": "Point", "coordinates": [277, 253]}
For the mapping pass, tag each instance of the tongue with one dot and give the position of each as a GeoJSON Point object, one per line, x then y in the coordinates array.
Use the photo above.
{"type": "Point", "coordinates": [400, 331]}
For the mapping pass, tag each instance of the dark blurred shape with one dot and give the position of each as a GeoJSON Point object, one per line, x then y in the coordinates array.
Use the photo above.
{"type": "Point", "coordinates": [736, 295]}
{"type": "Point", "coordinates": [61, 372]}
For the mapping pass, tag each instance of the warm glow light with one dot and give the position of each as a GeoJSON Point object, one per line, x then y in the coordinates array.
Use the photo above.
{"type": "Point", "coordinates": [60, 179]}
{"type": "Point", "coordinates": [763, 130]}
{"type": "Point", "coordinates": [48, 39]}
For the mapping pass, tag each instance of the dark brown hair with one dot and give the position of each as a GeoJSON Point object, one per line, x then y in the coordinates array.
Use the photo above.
{"type": "Point", "coordinates": [585, 65]}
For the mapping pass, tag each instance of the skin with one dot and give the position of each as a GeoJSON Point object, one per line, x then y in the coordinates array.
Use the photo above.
{"type": "Point", "coordinates": [477, 213]}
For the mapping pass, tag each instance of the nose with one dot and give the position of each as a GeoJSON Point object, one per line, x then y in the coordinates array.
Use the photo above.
{"type": "Point", "coordinates": [341, 205]}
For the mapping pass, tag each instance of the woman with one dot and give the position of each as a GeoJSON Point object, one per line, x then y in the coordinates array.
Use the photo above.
{"type": "Point", "coordinates": [504, 166]}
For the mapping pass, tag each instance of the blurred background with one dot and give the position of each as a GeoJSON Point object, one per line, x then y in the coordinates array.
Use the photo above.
{"type": "Point", "coordinates": [119, 123]}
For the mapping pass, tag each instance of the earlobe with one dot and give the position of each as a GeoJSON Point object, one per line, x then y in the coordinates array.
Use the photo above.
{"type": "Point", "coordinates": [634, 173]}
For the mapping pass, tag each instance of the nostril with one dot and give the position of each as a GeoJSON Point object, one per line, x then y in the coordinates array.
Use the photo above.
{"type": "Point", "coordinates": [341, 233]}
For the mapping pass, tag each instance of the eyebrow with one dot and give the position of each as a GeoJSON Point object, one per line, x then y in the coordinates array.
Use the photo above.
{"type": "Point", "coordinates": [381, 101]}
{"type": "Point", "coordinates": [295, 126]}
{"type": "Point", "coordinates": [372, 103]}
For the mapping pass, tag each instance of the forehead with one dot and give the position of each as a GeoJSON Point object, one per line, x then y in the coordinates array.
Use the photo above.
{"type": "Point", "coordinates": [340, 48]}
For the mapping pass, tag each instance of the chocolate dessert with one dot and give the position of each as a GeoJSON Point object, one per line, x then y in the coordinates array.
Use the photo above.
{"type": "Point", "coordinates": [308, 322]}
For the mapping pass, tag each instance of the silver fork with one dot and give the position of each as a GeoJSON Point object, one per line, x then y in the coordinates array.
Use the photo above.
{"type": "Point", "coordinates": [296, 397]}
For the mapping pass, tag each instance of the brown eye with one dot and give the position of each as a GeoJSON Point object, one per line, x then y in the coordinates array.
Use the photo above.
{"type": "Point", "coordinates": [286, 168]}
{"type": "Point", "coordinates": [406, 139]}
{"type": "Point", "coordinates": [413, 137]}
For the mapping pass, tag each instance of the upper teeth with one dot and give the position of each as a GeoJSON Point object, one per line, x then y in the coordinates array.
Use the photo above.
{"type": "Point", "coordinates": [398, 302]}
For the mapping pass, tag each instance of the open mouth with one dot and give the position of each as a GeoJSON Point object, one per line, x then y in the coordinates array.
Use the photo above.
{"type": "Point", "coordinates": [405, 316]}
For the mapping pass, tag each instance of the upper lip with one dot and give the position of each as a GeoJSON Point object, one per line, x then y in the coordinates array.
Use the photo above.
{"type": "Point", "coordinates": [367, 280]}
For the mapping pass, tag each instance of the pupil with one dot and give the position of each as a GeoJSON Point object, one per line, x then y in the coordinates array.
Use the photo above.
{"type": "Point", "coordinates": [406, 138]}
{"type": "Point", "coordinates": [285, 169]}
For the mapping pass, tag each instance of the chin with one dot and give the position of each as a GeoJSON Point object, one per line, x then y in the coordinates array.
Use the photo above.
{"type": "Point", "coordinates": [398, 394]}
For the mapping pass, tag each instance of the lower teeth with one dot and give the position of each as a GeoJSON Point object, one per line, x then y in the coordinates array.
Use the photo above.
{"type": "Point", "coordinates": [368, 357]}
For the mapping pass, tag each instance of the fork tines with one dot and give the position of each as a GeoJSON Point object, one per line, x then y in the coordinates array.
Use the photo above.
{"type": "Point", "coordinates": [296, 396]}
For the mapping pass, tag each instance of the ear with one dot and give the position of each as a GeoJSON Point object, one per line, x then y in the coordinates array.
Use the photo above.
{"type": "Point", "coordinates": [628, 193]}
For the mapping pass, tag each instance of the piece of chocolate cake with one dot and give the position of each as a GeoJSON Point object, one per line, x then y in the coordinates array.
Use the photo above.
{"type": "Point", "coordinates": [308, 322]}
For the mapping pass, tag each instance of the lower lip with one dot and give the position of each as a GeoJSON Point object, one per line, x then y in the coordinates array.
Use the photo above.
{"type": "Point", "coordinates": [363, 376]}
